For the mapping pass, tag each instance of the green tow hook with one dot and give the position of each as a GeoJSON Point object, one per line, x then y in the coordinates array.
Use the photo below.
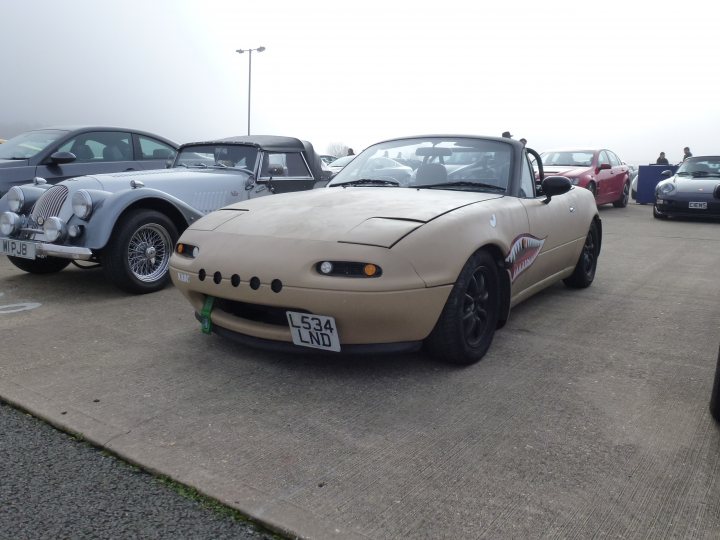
{"type": "Point", "coordinates": [205, 320]}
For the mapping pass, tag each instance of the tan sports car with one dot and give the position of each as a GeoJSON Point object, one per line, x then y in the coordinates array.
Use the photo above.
{"type": "Point", "coordinates": [434, 251]}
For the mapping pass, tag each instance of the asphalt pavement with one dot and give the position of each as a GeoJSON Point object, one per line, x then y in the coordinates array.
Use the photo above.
{"type": "Point", "coordinates": [53, 485]}
{"type": "Point", "coordinates": [588, 417]}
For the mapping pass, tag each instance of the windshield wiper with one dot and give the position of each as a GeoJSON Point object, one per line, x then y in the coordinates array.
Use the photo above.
{"type": "Point", "coordinates": [462, 183]}
{"type": "Point", "coordinates": [368, 182]}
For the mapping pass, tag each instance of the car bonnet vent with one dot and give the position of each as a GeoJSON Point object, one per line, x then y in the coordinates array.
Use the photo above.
{"type": "Point", "coordinates": [49, 203]}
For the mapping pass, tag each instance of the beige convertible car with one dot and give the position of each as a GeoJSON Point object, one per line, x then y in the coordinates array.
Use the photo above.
{"type": "Point", "coordinates": [434, 251]}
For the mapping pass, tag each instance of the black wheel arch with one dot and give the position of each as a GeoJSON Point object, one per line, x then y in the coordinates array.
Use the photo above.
{"type": "Point", "coordinates": [159, 205]}
{"type": "Point", "coordinates": [598, 224]}
{"type": "Point", "coordinates": [505, 284]}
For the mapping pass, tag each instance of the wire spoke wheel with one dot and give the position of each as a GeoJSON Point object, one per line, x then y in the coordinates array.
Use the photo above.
{"type": "Point", "coordinates": [149, 252]}
{"type": "Point", "coordinates": [137, 257]}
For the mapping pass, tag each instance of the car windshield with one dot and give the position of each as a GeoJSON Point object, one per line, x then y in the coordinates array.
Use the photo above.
{"type": "Point", "coordinates": [28, 144]}
{"type": "Point", "coordinates": [219, 156]}
{"type": "Point", "coordinates": [700, 167]}
{"type": "Point", "coordinates": [342, 161]}
{"type": "Point", "coordinates": [576, 158]}
{"type": "Point", "coordinates": [456, 163]}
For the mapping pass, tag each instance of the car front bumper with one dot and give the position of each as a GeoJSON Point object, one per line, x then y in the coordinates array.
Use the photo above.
{"type": "Point", "coordinates": [44, 249]}
{"type": "Point", "coordinates": [682, 208]}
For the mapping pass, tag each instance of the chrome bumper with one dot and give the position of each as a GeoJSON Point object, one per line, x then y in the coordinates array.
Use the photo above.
{"type": "Point", "coordinates": [64, 252]}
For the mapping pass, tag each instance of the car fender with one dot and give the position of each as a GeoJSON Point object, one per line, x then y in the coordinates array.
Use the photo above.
{"type": "Point", "coordinates": [110, 209]}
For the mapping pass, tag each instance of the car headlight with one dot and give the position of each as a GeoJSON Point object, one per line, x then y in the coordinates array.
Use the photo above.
{"type": "Point", "coordinates": [54, 229]}
{"type": "Point", "coordinates": [348, 269]}
{"type": "Point", "coordinates": [82, 204]}
{"type": "Point", "coordinates": [16, 199]}
{"type": "Point", "coordinates": [9, 223]}
{"type": "Point", "coordinates": [187, 250]}
{"type": "Point", "coordinates": [666, 189]}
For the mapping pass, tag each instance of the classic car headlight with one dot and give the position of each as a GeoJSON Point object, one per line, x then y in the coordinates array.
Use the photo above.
{"type": "Point", "coordinates": [9, 223]}
{"type": "Point", "coordinates": [348, 269]}
{"type": "Point", "coordinates": [666, 189]}
{"type": "Point", "coordinates": [16, 199]}
{"type": "Point", "coordinates": [54, 229]}
{"type": "Point", "coordinates": [82, 204]}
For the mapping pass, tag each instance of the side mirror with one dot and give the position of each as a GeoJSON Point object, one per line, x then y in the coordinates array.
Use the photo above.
{"type": "Point", "coordinates": [169, 164]}
{"type": "Point", "coordinates": [604, 167]}
{"type": "Point", "coordinates": [326, 175]}
{"type": "Point", "coordinates": [555, 185]}
{"type": "Point", "coordinates": [666, 174]}
{"type": "Point", "coordinates": [58, 158]}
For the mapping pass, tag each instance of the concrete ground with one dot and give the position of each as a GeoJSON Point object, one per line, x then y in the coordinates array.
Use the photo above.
{"type": "Point", "coordinates": [587, 418]}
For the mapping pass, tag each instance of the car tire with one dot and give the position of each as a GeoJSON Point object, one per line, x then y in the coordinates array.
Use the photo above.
{"type": "Point", "coordinates": [622, 202]}
{"type": "Point", "coordinates": [657, 214]}
{"type": "Point", "coordinates": [48, 265]}
{"type": "Point", "coordinates": [137, 256]}
{"type": "Point", "coordinates": [584, 272]}
{"type": "Point", "coordinates": [466, 326]}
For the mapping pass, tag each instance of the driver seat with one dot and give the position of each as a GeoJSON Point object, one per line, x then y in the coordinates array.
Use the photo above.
{"type": "Point", "coordinates": [430, 173]}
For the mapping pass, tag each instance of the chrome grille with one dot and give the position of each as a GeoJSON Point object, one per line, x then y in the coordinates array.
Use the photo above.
{"type": "Point", "coordinates": [49, 203]}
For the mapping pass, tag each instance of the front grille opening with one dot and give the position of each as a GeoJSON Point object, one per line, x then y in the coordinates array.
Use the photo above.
{"type": "Point", "coordinates": [49, 203]}
{"type": "Point", "coordinates": [256, 312]}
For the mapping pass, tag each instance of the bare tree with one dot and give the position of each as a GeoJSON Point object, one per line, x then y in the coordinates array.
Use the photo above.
{"type": "Point", "coordinates": [337, 149]}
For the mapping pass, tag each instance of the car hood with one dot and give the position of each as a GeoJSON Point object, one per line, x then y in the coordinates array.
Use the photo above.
{"type": "Point", "coordinates": [563, 170]}
{"type": "Point", "coordinates": [684, 184]}
{"type": "Point", "coordinates": [160, 179]}
{"type": "Point", "coordinates": [365, 215]}
{"type": "Point", "coordinates": [8, 163]}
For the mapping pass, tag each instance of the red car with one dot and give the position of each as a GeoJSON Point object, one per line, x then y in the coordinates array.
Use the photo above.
{"type": "Point", "coordinates": [599, 170]}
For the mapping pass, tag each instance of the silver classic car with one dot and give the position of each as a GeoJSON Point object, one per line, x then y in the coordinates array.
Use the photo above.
{"type": "Point", "coordinates": [129, 222]}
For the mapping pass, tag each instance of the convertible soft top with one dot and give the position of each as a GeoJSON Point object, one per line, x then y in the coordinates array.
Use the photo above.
{"type": "Point", "coordinates": [275, 143]}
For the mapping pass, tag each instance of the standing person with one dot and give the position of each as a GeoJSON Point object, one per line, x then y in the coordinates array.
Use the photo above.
{"type": "Point", "coordinates": [351, 152]}
{"type": "Point", "coordinates": [662, 160]}
{"type": "Point", "coordinates": [506, 135]}
{"type": "Point", "coordinates": [686, 153]}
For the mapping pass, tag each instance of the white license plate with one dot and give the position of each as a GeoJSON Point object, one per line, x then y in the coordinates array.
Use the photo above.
{"type": "Point", "coordinates": [698, 205]}
{"type": "Point", "coordinates": [316, 331]}
{"type": "Point", "coordinates": [17, 248]}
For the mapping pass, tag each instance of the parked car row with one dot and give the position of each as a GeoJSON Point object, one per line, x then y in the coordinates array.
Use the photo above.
{"type": "Point", "coordinates": [129, 221]}
{"type": "Point", "coordinates": [453, 229]}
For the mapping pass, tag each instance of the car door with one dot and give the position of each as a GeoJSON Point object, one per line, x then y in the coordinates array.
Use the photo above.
{"type": "Point", "coordinates": [95, 152]}
{"type": "Point", "coordinates": [617, 181]}
{"type": "Point", "coordinates": [282, 172]}
{"type": "Point", "coordinates": [604, 175]}
{"type": "Point", "coordinates": [553, 227]}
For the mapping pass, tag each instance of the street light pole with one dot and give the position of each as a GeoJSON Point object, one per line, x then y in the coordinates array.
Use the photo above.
{"type": "Point", "coordinates": [249, 51]}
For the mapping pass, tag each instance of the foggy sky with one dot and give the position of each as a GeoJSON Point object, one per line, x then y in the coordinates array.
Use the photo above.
{"type": "Point", "coordinates": [558, 73]}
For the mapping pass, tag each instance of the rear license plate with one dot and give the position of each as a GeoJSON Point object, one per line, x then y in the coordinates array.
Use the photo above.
{"type": "Point", "coordinates": [17, 248]}
{"type": "Point", "coordinates": [316, 331]}
{"type": "Point", "coordinates": [698, 205]}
